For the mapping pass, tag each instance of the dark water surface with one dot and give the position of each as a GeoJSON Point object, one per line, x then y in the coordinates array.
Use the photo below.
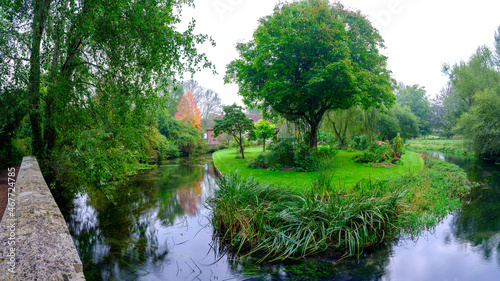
{"type": "Point", "coordinates": [159, 230]}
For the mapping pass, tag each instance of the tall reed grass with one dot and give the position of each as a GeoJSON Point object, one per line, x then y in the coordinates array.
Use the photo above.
{"type": "Point", "coordinates": [279, 223]}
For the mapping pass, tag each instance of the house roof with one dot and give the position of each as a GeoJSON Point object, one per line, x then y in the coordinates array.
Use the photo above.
{"type": "Point", "coordinates": [254, 117]}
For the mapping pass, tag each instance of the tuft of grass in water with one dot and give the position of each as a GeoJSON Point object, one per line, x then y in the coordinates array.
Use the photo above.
{"type": "Point", "coordinates": [278, 223]}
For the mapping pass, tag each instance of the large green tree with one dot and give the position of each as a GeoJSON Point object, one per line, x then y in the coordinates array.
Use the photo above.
{"type": "Point", "coordinates": [234, 123]}
{"type": "Point", "coordinates": [310, 57]}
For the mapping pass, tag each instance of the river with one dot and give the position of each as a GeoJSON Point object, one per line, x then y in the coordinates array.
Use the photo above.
{"type": "Point", "coordinates": [158, 229]}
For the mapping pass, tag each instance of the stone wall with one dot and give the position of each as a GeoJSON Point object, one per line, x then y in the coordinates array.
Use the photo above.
{"type": "Point", "coordinates": [35, 243]}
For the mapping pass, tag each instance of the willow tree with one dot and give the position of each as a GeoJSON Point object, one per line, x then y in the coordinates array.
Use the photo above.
{"type": "Point", "coordinates": [310, 57]}
{"type": "Point", "coordinates": [91, 67]}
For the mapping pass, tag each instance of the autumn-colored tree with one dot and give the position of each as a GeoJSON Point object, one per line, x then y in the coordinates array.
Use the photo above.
{"type": "Point", "coordinates": [187, 111]}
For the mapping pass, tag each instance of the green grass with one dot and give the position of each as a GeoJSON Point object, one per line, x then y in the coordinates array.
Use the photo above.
{"type": "Point", "coordinates": [345, 172]}
{"type": "Point", "coordinates": [451, 146]}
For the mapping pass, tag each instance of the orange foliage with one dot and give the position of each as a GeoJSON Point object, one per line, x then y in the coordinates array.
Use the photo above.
{"type": "Point", "coordinates": [188, 112]}
{"type": "Point", "coordinates": [189, 197]}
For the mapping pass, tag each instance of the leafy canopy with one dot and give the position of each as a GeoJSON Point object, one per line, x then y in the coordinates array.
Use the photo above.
{"type": "Point", "coordinates": [310, 57]}
{"type": "Point", "coordinates": [234, 123]}
{"type": "Point", "coordinates": [481, 125]}
{"type": "Point", "coordinates": [90, 72]}
{"type": "Point", "coordinates": [469, 78]}
{"type": "Point", "coordinates": [264, 130]}
{"type": "Point", "coordinates": [416, 99]}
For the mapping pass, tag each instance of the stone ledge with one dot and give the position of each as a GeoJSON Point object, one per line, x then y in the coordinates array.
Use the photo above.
{"type": "Point", "coordinates": [36, 234]}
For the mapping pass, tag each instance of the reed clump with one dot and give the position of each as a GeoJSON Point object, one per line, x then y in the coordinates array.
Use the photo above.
{"type": "Point", "coordinates": [277, 223]}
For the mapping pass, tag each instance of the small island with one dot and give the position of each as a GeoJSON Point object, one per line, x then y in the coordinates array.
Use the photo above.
{"type": "Point", "coordinates": [344, 207]}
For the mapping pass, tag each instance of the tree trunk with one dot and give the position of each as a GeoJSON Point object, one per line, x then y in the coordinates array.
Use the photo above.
{"type": "Point", "coordinates": [241, 147]}
{"type": "Point", "coordinates": [49, 132]}
{"type": "Point", "coordinates": [345, 130]}
{"type": "Point", "coordinates": [40, 14]}
{"type": "Point", "coordinates": [339, 138]}
{"type": "Point", "coordinates": [313, 141]}
{"type": "Point", "coordinates": [341, 134]}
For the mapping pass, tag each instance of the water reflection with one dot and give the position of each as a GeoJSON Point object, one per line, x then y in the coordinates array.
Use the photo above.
{"type": "Point", "coordinates": [131, 239]}
{"type": "Point", "coordinates": [159, 230]}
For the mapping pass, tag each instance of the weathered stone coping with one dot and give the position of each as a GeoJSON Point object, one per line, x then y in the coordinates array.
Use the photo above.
{"type": "Point", "coordinates": [36, 233]}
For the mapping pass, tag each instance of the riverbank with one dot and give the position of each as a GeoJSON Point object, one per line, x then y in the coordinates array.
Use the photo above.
{"type": "Point", "coordinates": [432, 143]}
{"type": "Point", "coordinates": [274, 222]}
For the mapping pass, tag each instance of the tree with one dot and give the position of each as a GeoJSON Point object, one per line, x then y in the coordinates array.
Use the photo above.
{"type": "Point", "coordinates": [416, 99]}
{"type": "Point", "coordinates": [234, 123]}
{"type": "Point", "coordinates": [481, 125]}
{"type": "Point", "coordinates": [469, 78]}
{"type": "Point", "coordinates": [14, 109]}
{"type": "Point", "coordinates": [398, 120]}
{"type": "Point", "coordinates": [311, 57]}
{"type": "Point", "coordinates": [185, 136]}
{"type": "Point", "coordinates": [388, 126]}
{"type": "Point", "coordinates": [340, 121]}
{"type": "Point", "coordinates": [264, 130]}
{"type": "Point", "coordinates": [171, 92]}
{"type": "Point", "coordinates": [408, 122]}
{"type": "Point", "coordinates": [497, 46]}
{"type": "Point", "coordinates": [437, 119]}
{"type": "Point", "coordinates": [188, 113]}
{"type": "Point", "coordinates": [90, 70]}
{"type": "Point", "coordinates": [207, 100]}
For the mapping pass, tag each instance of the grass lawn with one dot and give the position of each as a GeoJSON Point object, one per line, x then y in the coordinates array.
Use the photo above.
{"type": "Point", "coordinates": [345, 171]}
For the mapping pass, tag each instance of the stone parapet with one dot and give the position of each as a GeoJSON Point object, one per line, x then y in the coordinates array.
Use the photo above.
{"type": "Point", "coordinates": [35, 243]}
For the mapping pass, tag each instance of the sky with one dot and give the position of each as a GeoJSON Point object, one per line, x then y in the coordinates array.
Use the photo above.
{"type": "Point", "coordinates": [419, 35]}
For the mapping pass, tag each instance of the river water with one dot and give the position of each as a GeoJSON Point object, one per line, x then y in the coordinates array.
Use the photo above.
{"type": "Point", "coordinates": [158, 229]}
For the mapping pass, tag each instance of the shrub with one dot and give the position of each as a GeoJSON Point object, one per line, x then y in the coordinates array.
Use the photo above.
{"type": "Point", "coordinates": [397, 145]}
{"type": "Point", "coordinates": [286, 155]}
{"type": "Point", "coordinates": [221, 146]}
{"type": "Point", "coordinates": [324, 156]}
{"type": "Point", "coordinates": [260, 162]}
{"type": "Point", "coordinates": [10, 156]}
{"type": "Point", "coordinates": [304, 163]}
{"type": "Point", "coordinates": [167, 149]}
{"type": "Point", "coordinates": [186, 138]}
{"type": "Point", "coordinates": [283, 152]}
{"type": "Point", "coordinates": [378, 152]}
{"type": "Point", "coordinates": [359, 142]}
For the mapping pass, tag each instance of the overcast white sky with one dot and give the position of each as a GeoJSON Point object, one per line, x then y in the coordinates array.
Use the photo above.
{"type": "Point", "coordinates": [420, 35]}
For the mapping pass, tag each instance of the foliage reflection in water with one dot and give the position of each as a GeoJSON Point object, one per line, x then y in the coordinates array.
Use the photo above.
{"type": "Point", "coordinates": [159, 230]}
